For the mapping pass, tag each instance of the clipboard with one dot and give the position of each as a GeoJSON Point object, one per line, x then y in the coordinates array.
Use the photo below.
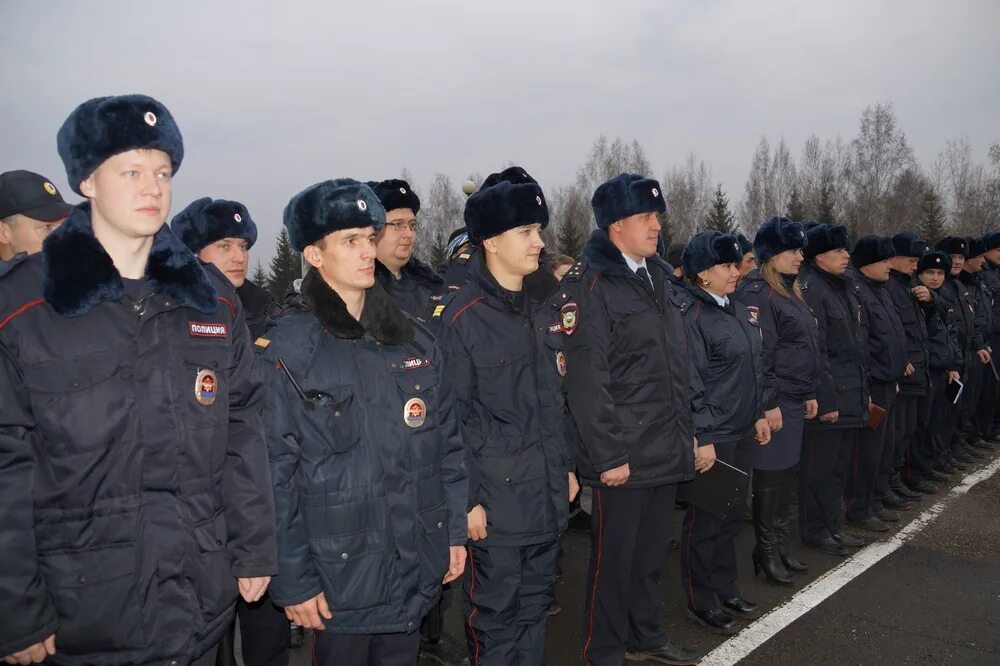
{"type": "Point", "coordinates": [955, 393]}
{"type": "Point", "coordinates": [716, 490]}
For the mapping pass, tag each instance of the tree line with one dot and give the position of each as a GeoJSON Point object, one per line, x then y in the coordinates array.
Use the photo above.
{"type": "Point", "coordinates": [871, 183]}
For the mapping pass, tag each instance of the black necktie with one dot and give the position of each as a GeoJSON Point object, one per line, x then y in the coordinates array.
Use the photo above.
{"type": "Point", "coordinates": [644, 274]}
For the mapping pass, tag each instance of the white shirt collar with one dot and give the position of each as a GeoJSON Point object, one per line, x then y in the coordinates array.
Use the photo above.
{"type": "Point", "coordinates": [723, 301]}
{"type": "Point", "coordinates": [635, 266]}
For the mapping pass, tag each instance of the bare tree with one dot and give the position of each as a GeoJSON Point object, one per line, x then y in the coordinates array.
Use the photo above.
{"type": "Point", "coordinates": [609, 159]}
{"type": "Point", "coordinates": [878, 155]}
{"type": "Point", "coordinates": [904, 205]}
{"type": "Point", "coordinates": [769, 185]}
{"type": "Point", "coordinates": [687, 190]}
{"type": "Point", "coordinates": [440, 215]}
{"type": "Point", "coordinates": [822, 174]}
{"type": "Point", "coordinates": [970, 194]}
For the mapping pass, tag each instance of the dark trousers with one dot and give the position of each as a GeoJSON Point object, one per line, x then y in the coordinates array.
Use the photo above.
{"type": "Point", "coordinates": [826, 455]}
{"type": "Point", "coordinates": [629, 537]}
{"type": "Point", "coordinates": [866, 458]}
{"type": "Point", "coordinates": [944, 427]}
{"type": "Point", "coordinates": [966, 423]}
{"type": "Point", "coordinates": [330, 649]}
{"type": "Point", "coordinates": [264, 634]}
{"type": "Point", "coordinates": [508, 591]}
{"type": "Point", "coordinates": [708, 559]}
{"type": "Point", "coordinates": [988, 397]}
{"type": "Point", "coordinates": [905, 412]}
{"type": "Point", "coordinates": [922, 456]}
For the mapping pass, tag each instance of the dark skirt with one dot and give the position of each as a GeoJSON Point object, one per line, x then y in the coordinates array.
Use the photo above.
{"type": "Point", "coordinates": [786, 445]}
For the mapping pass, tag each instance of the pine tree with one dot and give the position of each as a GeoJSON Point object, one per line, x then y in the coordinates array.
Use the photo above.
{"type": "Point", "coordinates": [570, 238]}
{"type": "Point", "coordinates": [719, 216]}
{"type": "Point", "coordinates": [932, 219]}
{"type": "Point", "coordinates": [825, 209]}
{"type": "Point", "coordinates": [285, 267]}
{"type": "Point", "coordinates": [259, 277]}
{"type": "Point", "coordinates": [796, 209]}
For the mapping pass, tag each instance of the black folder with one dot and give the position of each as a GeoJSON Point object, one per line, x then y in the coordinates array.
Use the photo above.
{"type": "Point", "coordinates": [716, 490]}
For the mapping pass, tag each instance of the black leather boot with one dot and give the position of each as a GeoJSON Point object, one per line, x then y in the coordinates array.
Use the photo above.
{"type": "Point", "coordinates": [765, 553]}
{"type": "Point", "coordinates": [783, 528]}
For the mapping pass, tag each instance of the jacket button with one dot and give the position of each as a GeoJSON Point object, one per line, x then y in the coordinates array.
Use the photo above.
{"type": "Point", "coordinates": [507, 480]}
{"type": "Point", "coordinates": [337, 414]}
{"type": "Point", "coordinates": [173, 662]}
{"type": "Point", "coordinates": [75, 383]}
{"type": "Point", "coordinates": [218, 542]}
{"type": "Point", "coordinates": [440, 524]}
{"type": "Point", "coordinates": [396, 556]}
{"type": "Point", "coordinates": [410, 624]}
{"type": "Point", "coordinates": [343, 556]}
{"type": "Point", "coordinates": [416, 387]}
{"type": "Point", "coordinates": [82, 579]}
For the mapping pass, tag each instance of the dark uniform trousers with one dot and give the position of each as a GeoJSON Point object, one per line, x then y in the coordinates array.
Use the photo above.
{"type": "Point", "coordinates": [708, 558]}
{"type": "Point", "coordinates": [866, 458]}
{"type": "Point", "coordinates": [943, 425]}
{"type": "Point", "coordinates": [967, 422]}
{"type": "Point", "coordinates": [330, 649]}
{"type": "Point", "coordinates": [508, 591]}
{"type": "Point", "coordinates": [905, 415]}
{"type": "Point", "coordinates": [629, 538]}
{"type": "Point", "coordinates": [988, 397]}
{"type": "Point", "coordinates": [826, 457]}
{"type": "Point", "coordinates": [264, 634]}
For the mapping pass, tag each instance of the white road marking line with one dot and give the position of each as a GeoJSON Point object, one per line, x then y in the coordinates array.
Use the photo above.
{"type": "Point", "coordinates": [757, 633]}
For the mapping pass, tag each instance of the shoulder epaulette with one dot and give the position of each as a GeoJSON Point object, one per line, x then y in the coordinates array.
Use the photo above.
{"type": "Point", "coordinates": [575, 273]}
{"type": "Point", "coordinates": [443, 304]}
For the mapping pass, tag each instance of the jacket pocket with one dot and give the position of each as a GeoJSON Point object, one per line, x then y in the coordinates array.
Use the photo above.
{"type": "Point", "coordinates": [433, 545]}
{"type": "Point", "coordinates": [215, 585]}
{"type": "Point", "coordinates": [94, 593]}
{"type": "Point", "coordinates": [355, 569]}
{"type": "Point", "coordinates": [80, 404]}
{"type": "Point", "coordinates": [333, 422]}
{"type": "Point", "coordinates": [514, 492]}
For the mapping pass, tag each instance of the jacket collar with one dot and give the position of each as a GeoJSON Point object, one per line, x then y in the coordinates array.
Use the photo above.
{"type": "Point", "coordinates": [77, 272]}
{"type": "Point", "coordinates": [420, 272]}
{"type": "Point", "coordinates": [380, 318]}
{"type": "Point", "coordinates": [605, 257]}
{"type": "Point", "coordinates": [835, 281]}
{"type": "Point", "coordinates": [538, 286]}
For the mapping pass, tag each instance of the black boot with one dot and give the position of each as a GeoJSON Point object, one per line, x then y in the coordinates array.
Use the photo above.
{"type": "Point", "coordinates": [783, 529]}
{"type": "Point", "coordinates": [765, 553]}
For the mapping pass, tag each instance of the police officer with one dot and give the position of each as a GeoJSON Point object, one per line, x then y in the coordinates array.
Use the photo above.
{"type": "Point", "coordinates": [748, 261]}
{"type": "Point", "coordinates": [459, 251]}
{"type": "Point", "coordinates": [841, 392]}
{"type": "Point", "coordinates": [411, 284]}
{"type": "Point", "coordinates": [924, 465]}
{"type": "Point", "coordinates": [504, 339]}
{"type": "Point", "coordinates": [673, 257]}
{"type": "Point", "coordinates": [972, 277]}
{"type": "Point", "coordinates": [627, 387]}
{"type": "Point", "coordinates": [790, 366]}
{"type": "Point", "coordinates": [867, 492]}
{"type": "Point", "coordinates": [963, 303]}
{"type": "Point", "coordinates": [911, 300]}
{"type": "Point", "coordinates": [369, 483]}
{"type": "Point", "coordinates": [135, 475]}
{"type": "Point", "coordinates": [221, 233]}
{"type": "Point", "coordinates": [723, 340]}
{"type": "Point", "coordinates": [991, 391]}
{"type": "Point", "coordinates": [30, 209]}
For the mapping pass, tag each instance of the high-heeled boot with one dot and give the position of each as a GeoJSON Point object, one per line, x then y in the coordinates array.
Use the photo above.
{"type": "Point", "coordinates": [765, 552]}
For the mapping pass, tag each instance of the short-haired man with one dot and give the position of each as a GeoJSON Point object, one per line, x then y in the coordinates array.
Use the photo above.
{"type": "Point", "coordinates": [135, 474]}
{"type": "Point", "coordinates": [367, 462]}
{"type": "Point", "coordinates": [627, 384]}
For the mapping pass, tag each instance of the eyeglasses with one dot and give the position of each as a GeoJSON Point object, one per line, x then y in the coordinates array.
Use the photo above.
{"type": "Point", "coordinates": [402, 226]}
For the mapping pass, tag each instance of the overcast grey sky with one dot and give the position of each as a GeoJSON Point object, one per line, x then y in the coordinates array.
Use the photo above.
{"type": "Point", "coordinates": [272, 97]}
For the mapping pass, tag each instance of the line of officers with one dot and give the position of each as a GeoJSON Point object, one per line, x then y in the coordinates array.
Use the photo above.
{"type": "Point", "coordinates": [174, 445]}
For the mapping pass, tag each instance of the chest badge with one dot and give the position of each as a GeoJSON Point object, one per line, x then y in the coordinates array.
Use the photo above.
{"type": "Point", "coordinates": [754, 314]}
{"type": "Point", "coordinates": [414, 412]}
{"type": "Point", "coordinates": [570, 317]}
{"type": "Point", "coordinates": [206, 387]}
{"type": "Point", "coordinates": [561, 363]}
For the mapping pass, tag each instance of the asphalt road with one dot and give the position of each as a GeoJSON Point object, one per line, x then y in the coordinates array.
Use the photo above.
{"type": "Point", "coordinates": [934, 600]}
